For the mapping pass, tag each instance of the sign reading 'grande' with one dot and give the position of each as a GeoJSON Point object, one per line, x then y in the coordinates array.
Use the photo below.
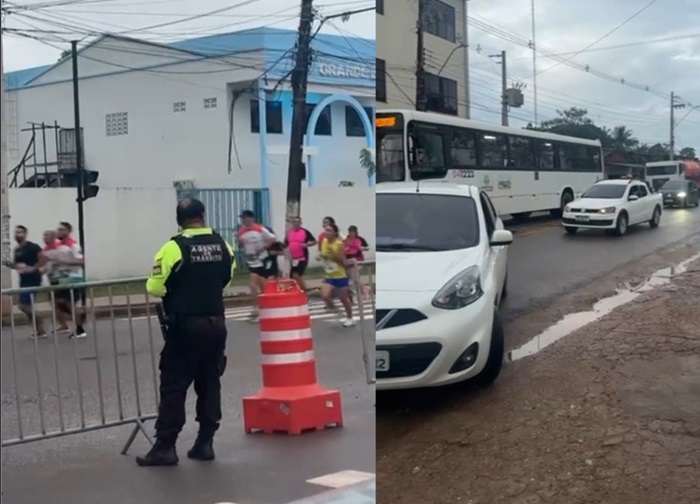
{"type": "Point", "coordinates": [347, 71]}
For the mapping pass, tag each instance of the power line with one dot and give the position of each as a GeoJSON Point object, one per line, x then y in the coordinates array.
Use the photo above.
{"type": "Point", "coordinates": [595, 42]}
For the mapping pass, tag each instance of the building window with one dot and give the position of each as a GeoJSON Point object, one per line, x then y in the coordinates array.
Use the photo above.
{"type": "Point", "coordinates": [381, 80]}
{"type": "Point", "coordinates": [441, 94]}
{"type": "Point", "coordinates": [273, 116]}
{"type": "Point", "coordinates": [179, 106]}
{"type": "Point", "coordinates": [439, 20]}
{"type": "Point", "coordinates": [324, 123]}
{"type": "Point", "coordinates": [380, 7]}
{"type": "Point", "coordinates": [353, 122]}
{"type": "Point", "coordinates": [209, 103]}
{"type": "Point", "coordinates": [117, 124]}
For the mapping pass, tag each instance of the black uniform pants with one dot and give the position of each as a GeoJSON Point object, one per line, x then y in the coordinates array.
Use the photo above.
{"type": "Point", "coordinates": [193, 352]}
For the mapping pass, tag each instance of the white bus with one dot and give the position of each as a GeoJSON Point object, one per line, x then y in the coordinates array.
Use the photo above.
{"type": "Point", "coordinates": [523, 171]}
{"type": "Point", "coordinates": [658, 173]}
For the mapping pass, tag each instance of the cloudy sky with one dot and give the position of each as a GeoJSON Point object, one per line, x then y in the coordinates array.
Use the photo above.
{"type": "Point", "coordinates": [568, 26]}
{"type": "Point", "coordinates": [564, 27]}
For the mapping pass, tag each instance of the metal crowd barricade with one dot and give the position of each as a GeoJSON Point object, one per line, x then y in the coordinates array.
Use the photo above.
{"type": "Point", "coordinates": [362, 270]}
{"type": "Point", "coordinates": [63, 386]}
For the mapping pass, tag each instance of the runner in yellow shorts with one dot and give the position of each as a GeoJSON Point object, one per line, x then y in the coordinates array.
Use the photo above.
{"type": "Point", "coordinates": [335, 273]}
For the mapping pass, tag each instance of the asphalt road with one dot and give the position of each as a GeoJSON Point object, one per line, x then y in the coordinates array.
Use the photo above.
{"type": "Point", "coordinates": [543, 261]}
{"type": "Point", "coordinates": [250, 469]}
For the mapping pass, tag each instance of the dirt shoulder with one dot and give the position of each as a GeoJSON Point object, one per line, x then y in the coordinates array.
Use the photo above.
{"type": "Point", "coordinates": [609, 415]}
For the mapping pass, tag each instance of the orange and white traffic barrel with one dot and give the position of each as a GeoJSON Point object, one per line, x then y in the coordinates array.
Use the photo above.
{"type": "Point", "coordinates": [291, 399]}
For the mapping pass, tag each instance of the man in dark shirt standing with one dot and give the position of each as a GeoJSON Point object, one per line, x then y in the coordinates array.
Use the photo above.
{"type": "Point", "coordinates": [27, 263]}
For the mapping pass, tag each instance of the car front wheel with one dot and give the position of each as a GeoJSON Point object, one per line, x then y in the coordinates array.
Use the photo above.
{"type": "Point", "coordinates": [494, 362]}
{"type": "Point", "coordinates": [570, 230]}
{"type": "Point", "coordinates": [622, 224]}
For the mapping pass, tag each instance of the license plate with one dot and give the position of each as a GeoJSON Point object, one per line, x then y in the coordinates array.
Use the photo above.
{"type": "Point", "coordinates": [583, 218]}
{"type": "Point", "coordinates": [382, 361]}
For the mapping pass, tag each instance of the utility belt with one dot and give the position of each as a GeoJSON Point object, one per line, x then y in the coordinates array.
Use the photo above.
{"type": "Point", "coordinates": [170, 325]}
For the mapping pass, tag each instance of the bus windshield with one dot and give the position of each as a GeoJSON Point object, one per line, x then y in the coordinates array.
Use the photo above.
{"type": "Point", "coordinates": [390, 156]}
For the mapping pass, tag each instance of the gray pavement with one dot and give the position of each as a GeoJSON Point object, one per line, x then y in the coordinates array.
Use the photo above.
{"type": "Point", "coordinates": [543, 261]}
{"type": "Point", "coordinates": [250, 469]}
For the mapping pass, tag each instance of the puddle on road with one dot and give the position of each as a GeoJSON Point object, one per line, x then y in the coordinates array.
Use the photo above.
{"type": "Point", "coordinates": [575, 321]}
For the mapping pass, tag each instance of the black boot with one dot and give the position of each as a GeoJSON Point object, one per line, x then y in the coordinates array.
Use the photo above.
{"type": "Point", "coordinates": [203, 448]}
{"type": "Point", "coordinates": [162, 454]}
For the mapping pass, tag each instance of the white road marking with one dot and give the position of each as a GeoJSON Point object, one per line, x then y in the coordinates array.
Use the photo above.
{"type": "Point", "coordinates": [342, 479]}
{"type": "Point", "coordinates": [317, 311]}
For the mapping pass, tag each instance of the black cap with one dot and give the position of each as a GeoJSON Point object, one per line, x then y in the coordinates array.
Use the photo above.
{"type": "Point", "coordinates": [247, 213]}
{"type": "Point", "coordinates": [189, 209]}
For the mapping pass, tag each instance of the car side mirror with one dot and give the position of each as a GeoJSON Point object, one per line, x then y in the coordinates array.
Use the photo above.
{"type": "Point", "coordinates": [501, 237]}
{"type": "Point", "coordinates": [634, 197]}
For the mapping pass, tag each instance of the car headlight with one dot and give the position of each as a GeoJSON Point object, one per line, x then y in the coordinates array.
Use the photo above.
{"type": "Point", "coordinates": [567, 208]}
{"type": "Point", "coordinates": [682, 195]}
{"type": "Point", "coordinates": [461, 291]}
{"type": "Point", "coordinates": [607, 210]}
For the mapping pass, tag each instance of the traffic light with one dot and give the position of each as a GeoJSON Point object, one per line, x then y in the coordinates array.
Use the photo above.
{"type": "Point", "coordinates": [90, 190]}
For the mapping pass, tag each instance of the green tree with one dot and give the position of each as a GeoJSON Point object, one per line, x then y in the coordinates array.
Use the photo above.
{"type": "Point", "coordinates": [687, 152]}
{"type": "Point", "coordinates": [576, 123]}
{"type": "Point", "coordinates": [367, 162]}
{"type": "Point", "coordinates": [623, 138]}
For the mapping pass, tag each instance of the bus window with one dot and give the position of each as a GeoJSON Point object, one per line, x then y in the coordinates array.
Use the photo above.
{"type": "Point", "coordinates": [391, 165]}
{"type": "Point", "coordinates": [426, 148]}
{"type": "Point", "coordinates": [545, 155]}
{"type": "Point", "coordinates": [522, 155]}
{"type": "Point", "coordinates": [574, 157]}
{"type": "Point", "coordinates": [596, 159]}
{"type": "Point", "coordinates": [463, 148]}
{"type": "Point", "coordinates": [494, 150]}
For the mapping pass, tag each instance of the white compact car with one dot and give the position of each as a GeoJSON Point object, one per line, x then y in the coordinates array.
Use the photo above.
{"type": "Point", "coordinates": [441, 274]}
{"type": "Point", "coordinates": [613, 205]}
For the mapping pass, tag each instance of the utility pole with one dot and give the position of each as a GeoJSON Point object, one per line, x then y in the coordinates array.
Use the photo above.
{"type": "Point", "coordinates": [300, 76]}
{"type": "Point", "coordinates": [467, 95]}
{"type": "Point", "coordinates": [504, 87]}
{"type": "Point", "coordinates": [672, 143]}
{"type": "Point", "coordinates": [80, 169]}
{"type": "Point", "coordinates": [534, 60]}
{"type": "Point", "coordinates": [421, 98]}
{"type": "Point", "coordinates": [6, 244]}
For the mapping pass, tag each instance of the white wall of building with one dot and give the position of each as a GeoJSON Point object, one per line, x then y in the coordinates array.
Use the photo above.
{"type": "Point", "coordinates": [124, 227]}
{"type": "Point", "coordinates": [163, 145]}
{"type": "Point", "coordinates": [398, 47]}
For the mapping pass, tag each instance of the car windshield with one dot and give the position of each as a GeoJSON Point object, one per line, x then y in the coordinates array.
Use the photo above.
{"type": "Point", "coordinates": [605, 191]}
{"type": "Point", "coordinates": [674, 185]}
{"type": "Point", "coordinates": [425, 222]}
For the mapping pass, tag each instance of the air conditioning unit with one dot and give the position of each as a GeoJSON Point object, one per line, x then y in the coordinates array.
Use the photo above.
{"type": "Point", "coordinates": [183, 184]}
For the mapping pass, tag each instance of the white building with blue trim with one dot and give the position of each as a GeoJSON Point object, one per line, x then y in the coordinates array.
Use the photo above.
{"type": "Point", "coordinates": [154, 115]}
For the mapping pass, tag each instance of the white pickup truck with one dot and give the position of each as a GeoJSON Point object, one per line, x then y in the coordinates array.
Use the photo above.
{"type": "Point", "coordinates": [613, 205]}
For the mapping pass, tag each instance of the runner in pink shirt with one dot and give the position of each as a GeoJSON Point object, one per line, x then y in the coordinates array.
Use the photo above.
{"type": "Point", "coordinates": [298, 240]}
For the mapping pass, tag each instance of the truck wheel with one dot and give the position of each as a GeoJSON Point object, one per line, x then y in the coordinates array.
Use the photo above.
{"type": "Point", "coordinates": [622, 224]}
{"type": "Point", "coordinates": [656, 218]}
